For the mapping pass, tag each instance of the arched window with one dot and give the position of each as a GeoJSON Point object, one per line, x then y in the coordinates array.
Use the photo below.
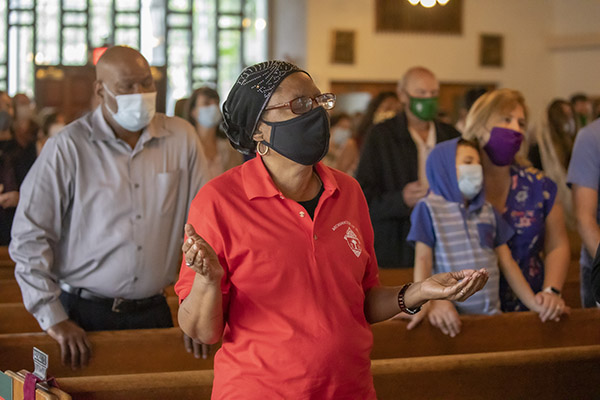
{"type": "Point", "coordinates": [194, 41]}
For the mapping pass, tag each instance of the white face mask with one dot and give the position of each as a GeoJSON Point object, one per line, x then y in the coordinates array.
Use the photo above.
{"type": "Point", "coordinates": [209, 116]}
{"type": "Point", "coordinates": [569, 127]}
{"type": "Point", "coordinates": [341, 135]}
{"type": "Point", "coordinates": [470, 180]}
{"type": "Point", "coordinates": [134, 111]}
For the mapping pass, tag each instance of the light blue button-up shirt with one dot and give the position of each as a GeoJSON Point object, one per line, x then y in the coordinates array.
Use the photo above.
{"type": "Point", "coordinates": [96, 214]}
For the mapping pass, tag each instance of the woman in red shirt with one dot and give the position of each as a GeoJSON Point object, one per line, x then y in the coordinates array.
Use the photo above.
{"type": "Point", "coordinates": [279, 258]}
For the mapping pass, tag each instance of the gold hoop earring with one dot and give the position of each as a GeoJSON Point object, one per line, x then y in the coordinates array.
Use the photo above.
{"type": "Point", "coordinates": [262, 153]}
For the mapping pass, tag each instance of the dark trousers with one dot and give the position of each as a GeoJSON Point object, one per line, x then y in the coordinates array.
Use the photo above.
{"type": "Point", "coordinates": [95, 316]}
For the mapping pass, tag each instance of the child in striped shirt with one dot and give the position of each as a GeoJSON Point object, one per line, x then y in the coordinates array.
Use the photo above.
{"type": "Point", "coordinates": [453, 228]}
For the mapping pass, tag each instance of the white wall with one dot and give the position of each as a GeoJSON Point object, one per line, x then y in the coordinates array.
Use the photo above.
{"type": "Point", "coordinates": [576, 69]}
{"type": "Point", "coordinates": [529, 65]}
{"type": "Point", "coordinates": [288, 30]}
{"type": "Point", "coordinates": [302, 31]}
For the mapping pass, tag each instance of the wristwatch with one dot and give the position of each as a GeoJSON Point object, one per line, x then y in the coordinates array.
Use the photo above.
{"type": "Point", "coordinates": [552, 289]}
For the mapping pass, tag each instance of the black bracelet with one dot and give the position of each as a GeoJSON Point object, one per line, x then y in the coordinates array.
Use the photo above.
{"type": "Point", "coordinates": [401, 304]}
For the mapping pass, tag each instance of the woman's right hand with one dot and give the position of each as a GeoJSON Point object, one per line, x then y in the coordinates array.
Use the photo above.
{"type": "Point", "coordinates": [201, 257]}
{"type": "Point", "coordinates": [443, 315]}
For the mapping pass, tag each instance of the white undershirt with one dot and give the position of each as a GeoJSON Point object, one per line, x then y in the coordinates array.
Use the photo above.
{"type": "Point", "coordinates": [423, 149]}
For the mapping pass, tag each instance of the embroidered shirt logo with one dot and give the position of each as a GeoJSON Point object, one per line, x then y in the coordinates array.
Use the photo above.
{"type": "Point", "coordinates": [353, 242]}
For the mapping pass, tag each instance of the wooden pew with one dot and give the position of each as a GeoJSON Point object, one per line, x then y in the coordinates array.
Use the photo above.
{"type": "Point", "coordinates": [14, 318]}
{"type": "Point", "coordinates": [119, 352]}
{"type": "Point", "coordinates": [10, 292]}
{"type": "Point", "coordinates": [561, 373]}
{"type": "Point", "coordinates": [7, 270]}
{"type": "Point", "coordinates": [480, 334]}
{"type": "Point", "coordinates": [557, 373]}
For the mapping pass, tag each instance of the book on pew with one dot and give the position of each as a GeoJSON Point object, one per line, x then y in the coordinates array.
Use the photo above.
{"type": "Point", "coordinates": [42, 392]}
{"type": "Point", "coordinates": [6, 390]}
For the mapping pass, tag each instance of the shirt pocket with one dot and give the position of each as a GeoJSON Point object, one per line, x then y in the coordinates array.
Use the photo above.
{"type": "Point", "coordinates": [486, 235]}
{"type": "Point", "coordinates": [167, 190]}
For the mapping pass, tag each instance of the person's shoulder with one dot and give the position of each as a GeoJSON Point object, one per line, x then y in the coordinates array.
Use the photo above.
{"type": "Point", "coordinates": [447, 131]}
{"type": "Point", "coordinates": [175, 125]}
{"type": "Point", "coordinates": [532, 175]}
{"type": "Point", "coordinates": [226, 185]}
{"type": "Point", "coordinates": [74, 133]}
{"type": "Point", "coordinates": [342, 179]}
{"type": "Point", "coordinates": [389, 126]}
{"type": "Point", "coordinates": [590, 132]}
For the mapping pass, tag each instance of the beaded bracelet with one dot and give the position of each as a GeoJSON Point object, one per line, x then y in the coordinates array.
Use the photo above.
{"type": "Point", "coordinates": [401, 304]}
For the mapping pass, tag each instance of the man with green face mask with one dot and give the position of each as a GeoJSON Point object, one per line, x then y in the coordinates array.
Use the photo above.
{"type": "Point", "coordinates": [392, 165]}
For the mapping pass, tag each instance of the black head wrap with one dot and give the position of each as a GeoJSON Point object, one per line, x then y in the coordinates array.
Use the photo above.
{"type": "Point", "coordinates": [249, 97]}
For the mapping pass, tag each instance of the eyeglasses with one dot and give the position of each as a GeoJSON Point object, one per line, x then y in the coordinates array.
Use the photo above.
{"type": "Point", "coordinates": [301, 105]}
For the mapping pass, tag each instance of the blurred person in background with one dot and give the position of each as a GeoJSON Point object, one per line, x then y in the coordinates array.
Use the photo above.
{"type": "Point", "coordinates": [53, 121]}
{"type": "Point", "coordinates": [381, 107]}
{"type": "Point", "coordinates": [469, 98]}
{"type": "Point", "coordinates": [551, 150]}
{"type": "Point", "coordinates": [17, 155]}
{"type": "Point", "coordinates": [341, 131]}
{"type": "Point", "coordinates": [391, 170]}
{"type": "Point", "coordinates": [582, 108]}
{"type": "Point", "coordinates": [204, 114]}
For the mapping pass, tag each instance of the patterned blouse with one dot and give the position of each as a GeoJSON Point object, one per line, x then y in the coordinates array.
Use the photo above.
{"type": "Point", "coordinates": [529, 202]}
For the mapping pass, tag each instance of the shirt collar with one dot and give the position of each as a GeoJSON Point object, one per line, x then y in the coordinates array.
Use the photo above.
{"type": "Point", "coordinates": [431, 137]}
{"type": "Point", "coordinates": [258, 183]}
{"type": "Point", "coordinates": [101, 130]}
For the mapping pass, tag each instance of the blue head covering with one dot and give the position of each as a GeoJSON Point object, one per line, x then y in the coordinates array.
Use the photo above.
{"type": "Point", "coordinates": [441, 174]}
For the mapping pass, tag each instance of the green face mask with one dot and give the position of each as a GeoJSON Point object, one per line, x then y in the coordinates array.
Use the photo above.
{"type": "Point", "coordinates": [424, 108]}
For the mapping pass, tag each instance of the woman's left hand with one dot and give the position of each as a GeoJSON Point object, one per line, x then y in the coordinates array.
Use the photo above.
{"type": "Point", "coordinates": [552, 306]}
{"type": "Point", "coordinates": [454, 286]}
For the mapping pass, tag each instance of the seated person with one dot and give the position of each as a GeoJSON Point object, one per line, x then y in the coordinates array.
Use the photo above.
{"type": "Point", "coordinates": [453, 227]}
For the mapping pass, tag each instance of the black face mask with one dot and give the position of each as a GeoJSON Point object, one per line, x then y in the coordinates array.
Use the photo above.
{"type": "Point", "coordinates": [304, 139]}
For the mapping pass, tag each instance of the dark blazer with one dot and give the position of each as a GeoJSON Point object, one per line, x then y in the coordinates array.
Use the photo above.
{"type": "Point", "coordinates": [389, 160]}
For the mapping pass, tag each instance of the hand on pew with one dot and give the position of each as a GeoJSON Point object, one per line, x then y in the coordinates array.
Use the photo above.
{"type": "Point", "coordinates": [551, 306]}
{"type": "Point", "coordinates": [75, 348]}
{"type": "Point", "coordinates": [199, 349]}
{"type": "Point", "coordinates": [442, 314]}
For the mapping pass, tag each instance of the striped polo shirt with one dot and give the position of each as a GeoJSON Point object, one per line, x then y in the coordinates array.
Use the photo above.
{"type": "Point", "coordinates": [462, 238]}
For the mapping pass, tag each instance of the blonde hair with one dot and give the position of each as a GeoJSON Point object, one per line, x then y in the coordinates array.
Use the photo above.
{"type": "Point", "coordinates": [489, 105]}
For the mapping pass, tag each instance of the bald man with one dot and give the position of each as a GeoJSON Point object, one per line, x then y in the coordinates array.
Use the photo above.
{"type": "Point", "coordinates": [391, 170]}
{"type": "Point", "coordinates": [98, 231]}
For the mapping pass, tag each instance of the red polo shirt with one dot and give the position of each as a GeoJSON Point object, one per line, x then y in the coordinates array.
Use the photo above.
{"type": "Point", "coordinates": [294, 288]}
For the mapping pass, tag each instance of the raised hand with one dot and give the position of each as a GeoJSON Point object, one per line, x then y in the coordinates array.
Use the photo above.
{"type": "Point", "coordinates": [201, 257]}
{"type": "Point", "coordinates": [454, 286]}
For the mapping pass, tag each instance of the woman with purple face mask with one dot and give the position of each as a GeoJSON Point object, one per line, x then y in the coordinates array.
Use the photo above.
{"type": "Point", "coordinates": [525, 198]}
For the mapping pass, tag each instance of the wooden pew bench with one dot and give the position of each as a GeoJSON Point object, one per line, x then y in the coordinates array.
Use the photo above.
{"type": "Point", "coordinates": [121, 352]}
{"type": "Point", "coordinates": [560, 373]}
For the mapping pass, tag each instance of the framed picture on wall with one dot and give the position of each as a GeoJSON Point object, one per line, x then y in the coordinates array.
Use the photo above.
{"type": "Point", "coordinates": [343, 47]}
{"type": "Point", "coordinates": [491, 50]}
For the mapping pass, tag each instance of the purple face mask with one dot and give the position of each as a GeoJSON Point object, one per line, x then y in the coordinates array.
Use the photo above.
{"type": "Point", "coordinates": [503, 145]}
